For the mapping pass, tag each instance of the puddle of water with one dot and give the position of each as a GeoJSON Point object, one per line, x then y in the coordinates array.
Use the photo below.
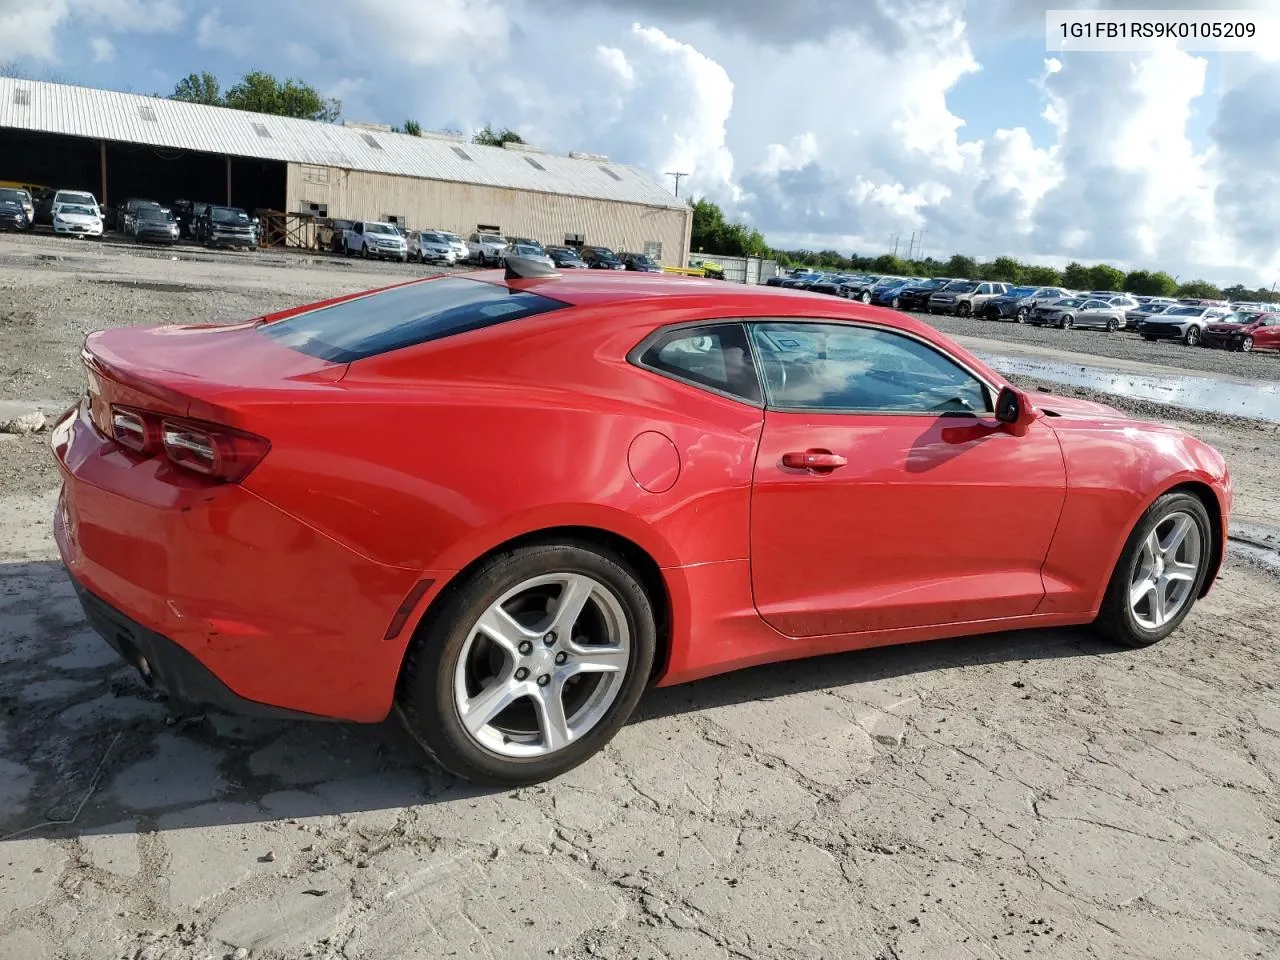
{"type": "Point", "coordinates": [1241, 398]}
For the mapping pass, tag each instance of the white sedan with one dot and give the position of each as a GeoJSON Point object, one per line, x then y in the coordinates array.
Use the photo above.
{"type": "Point", "coordinates": [76, 220]}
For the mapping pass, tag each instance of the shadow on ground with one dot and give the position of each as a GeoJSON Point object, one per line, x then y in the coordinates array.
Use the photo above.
{"type": "Point", "coordinates": [86, 748]}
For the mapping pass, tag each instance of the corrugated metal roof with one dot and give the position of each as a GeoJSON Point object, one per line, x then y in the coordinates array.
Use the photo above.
{"type": "Point", "coordinates": [171, 124]}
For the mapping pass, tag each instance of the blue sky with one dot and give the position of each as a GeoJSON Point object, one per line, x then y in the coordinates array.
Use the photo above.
{"type": "Point", "coordinates": [838, 124]}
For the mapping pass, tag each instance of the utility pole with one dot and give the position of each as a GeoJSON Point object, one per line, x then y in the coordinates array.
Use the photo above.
{"type": "Point", "coordinates": [911, 245]}
{"type": "Point", "coordinates": [678, 176]}
{"type": "Point", "coordinates": [895, 246]}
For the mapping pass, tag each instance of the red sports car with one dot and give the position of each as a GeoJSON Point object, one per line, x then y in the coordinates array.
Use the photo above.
{"type": "Point", "coordinates": [502, 504]}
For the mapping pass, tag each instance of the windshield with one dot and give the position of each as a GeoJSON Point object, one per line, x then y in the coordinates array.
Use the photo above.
{"type": "Point", "coordinates": [1185, 312]}
{"type": "Point", "coordinates": [965, 286]}
{"type": "Point", "coordinates": [16, 196]}
{"type": "Point", "coordinates": [524, 250]}
{"type": "Point", "coordinates": [567, 252]}
{"type": "Point", "coordinates": [451, 237]}
{"type": "Point", "coordinates": [1240, 318]}
{"type": "Point", "coordinates": [490, 238]}
{"type": "Point", "coordinates": [69, 197]}
{"type": "Point", "coordinates": [228, 215]}
{"type": "Point", "coordinates": [154, 213]}
{"type": "Point", "coordinates": [76, 209]}
{"type": "Point", "coordinates": [604, 253]}
{"type": "Point", "coordinates": [378, 228]}
{"type": "Point", "coordinates": [1070, 302]}
{"type": "Point", "coordinates": [641, 258]}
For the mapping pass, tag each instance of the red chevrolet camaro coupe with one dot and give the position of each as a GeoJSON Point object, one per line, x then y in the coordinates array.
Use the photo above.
{"type": "Point", "coordinates": [503, 503]}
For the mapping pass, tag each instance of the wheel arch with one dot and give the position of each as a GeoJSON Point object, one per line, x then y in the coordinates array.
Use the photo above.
{"type": "Point", "coordinates": [1204, 493]}
{"type": "Point", "coordinates": [640, 559]}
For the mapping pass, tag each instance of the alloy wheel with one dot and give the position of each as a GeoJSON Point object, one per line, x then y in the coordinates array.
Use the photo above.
{"type": "Point", "coordinates": [542, 665]}
{"type": "Point", "coordinates": [1246, 345]}
{"type": "Point", "coordinates": [1193, 336]}
{"type": "Point", "coordinates": [1068, 322]}
{"type": "Point", "coordinates": [1165, 570]}
{"type": "Point", "coordinates": [1021, 315]}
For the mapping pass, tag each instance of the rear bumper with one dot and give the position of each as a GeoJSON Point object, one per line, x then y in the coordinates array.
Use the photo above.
{"type": "Point", "coordinates": [214, 577]}
{"type": "Point", "coordinates": [165, 664]}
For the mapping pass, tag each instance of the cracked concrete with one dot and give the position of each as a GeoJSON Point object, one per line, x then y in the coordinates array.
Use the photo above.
{"type": "Point", "coordinates": [1034, 794]}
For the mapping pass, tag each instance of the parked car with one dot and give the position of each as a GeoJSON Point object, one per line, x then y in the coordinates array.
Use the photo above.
{"type": "Point", "coordinates": [1246, 331]}
{"type": "Point", "coordinates": [226, 227]}
{"type": "Point", "coordinates": [153, 224]}
{"type": "Point", "coordinates": [527, 252]}
{"type": "Point", "coordinates": [20, 199]}
{"type": "Point", "coordinates": [1072, 312]}
{"type": "Point", "coordinates": [457, 243]}
{"type": "Point", "coordinates": [187, 213]}
{"type": "Point", "coordinates": [375, 239]}
{"type": "Point", "coordinates": [1185, 323]}
{"type": "Point", "coordinates": [1138, 315]}
{"type": "Point", "coordinates": [862, 288]}
{"type": "Point", "coordinates": [426, 246]}
{"type": "Point", "coordinates": [485, 248]}
{"type": "Point", "coordinates": [601, 258]}
{"type": "Point", "coordinates": [77, 220]}
{"type": "Point", "coordinates": [15, 210]}
{"type": "Point", "coordinates": [967, 299]}
{"type": "Point", "coordinates": [126, 213]}
{"type": "Point", "coordinates": [888, 294]}
{"type": "Point", "coordinates": [780, 279]}
{"type": "Point", "coordinates": [640, 263]}
{"type": "Point", "coordinates": [915, 295]}
{"type": "Point", "coordinates": [79, 198]}
{"type": "Point", "coordinates": [525, 242]}
{"type": "Point", "coordinates": [1017, 304]}
{"type": "Point", "coordinates": [334, 564]}
{"type": "Point", "coordinates": [566, 258]}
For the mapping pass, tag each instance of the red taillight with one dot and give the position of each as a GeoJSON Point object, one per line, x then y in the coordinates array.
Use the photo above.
{"type": "Point", "coordinates": [211, 449]}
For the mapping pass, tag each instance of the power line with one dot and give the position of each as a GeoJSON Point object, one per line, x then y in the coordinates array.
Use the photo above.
{"type": "Point", "coordinates": [678, 176]}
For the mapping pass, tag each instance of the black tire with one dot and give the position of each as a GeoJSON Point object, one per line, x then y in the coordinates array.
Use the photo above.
{"type": "Point", "coordinates": [897, 304]}
{"type": "Point", "coordinates": [1116, 619]}
{"type": "Point", "coordinates": [1192, 336]}
{"type": "Point", "coordinates": [1246, 345]}
{"type": "Point", "coordinates": [1021, 315]}
{"type": "Point", "coordinates": [865, 296]}
{"type": "Point", "coordinates": [1067, 322]}
{"type": "Point", "coordinates": [1113, 325]}
{"type": "Point", "coordinates": [425, 697]}
{"type": "Point", "coordinates": [964, 309]}
{"type": "Point", "coordinates": [364, 251]}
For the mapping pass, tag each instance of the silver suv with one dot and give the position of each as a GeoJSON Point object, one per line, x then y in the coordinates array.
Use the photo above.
{"type": "Point", "coordinates": [967, 299]}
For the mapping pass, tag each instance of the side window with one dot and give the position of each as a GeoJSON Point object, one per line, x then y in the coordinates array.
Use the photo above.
{"type": "Point", "coordinates": [715, 356]}
{"type": "Point", "coordinates": [861, 369]}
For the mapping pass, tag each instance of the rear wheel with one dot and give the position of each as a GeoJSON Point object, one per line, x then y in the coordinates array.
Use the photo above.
{"type": "Point", "coordinates": [1160, 573]}
{"type": "Point", "coordinates": [1021, 315]}
{"type": "Point", "coordinates": [865, 296]}
{"type": "Point", "coordinates": [531, 666]}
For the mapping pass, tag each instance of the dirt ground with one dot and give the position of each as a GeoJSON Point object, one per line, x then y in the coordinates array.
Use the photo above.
{"type": "Point", "coordinates": [1039, 793]}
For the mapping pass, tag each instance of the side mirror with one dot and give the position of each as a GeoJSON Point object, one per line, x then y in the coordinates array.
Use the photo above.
{"type": "Point", "coordinates": [1014, 408]}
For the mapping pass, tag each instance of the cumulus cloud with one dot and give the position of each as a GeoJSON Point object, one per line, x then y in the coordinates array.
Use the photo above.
{"type": "Point", "coordinates": [103, 49]}
{"type": "Point", "coordinates": [424, 34]}
{"type": "Point", "coordinates": [213, 34]}
{"type": "Point", "coordinates": [28, 29]}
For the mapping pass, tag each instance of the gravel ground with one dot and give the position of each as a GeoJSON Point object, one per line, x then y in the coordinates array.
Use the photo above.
{"type": "Point", "coordinates": [1032, 794]}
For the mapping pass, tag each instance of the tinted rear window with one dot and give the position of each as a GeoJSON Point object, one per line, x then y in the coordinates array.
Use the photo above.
{"type": "Point", "coordinates": [404, 316]}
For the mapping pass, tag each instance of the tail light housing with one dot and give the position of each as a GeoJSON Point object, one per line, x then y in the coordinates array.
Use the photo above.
{"type": "Point", "coordinates": [216, 451]}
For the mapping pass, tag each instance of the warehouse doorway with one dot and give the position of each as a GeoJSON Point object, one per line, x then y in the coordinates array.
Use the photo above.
{"type": "Point", "coordinates": [114, 172]}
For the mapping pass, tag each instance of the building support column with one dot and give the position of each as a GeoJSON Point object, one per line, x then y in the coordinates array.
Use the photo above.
{"type": "Point", "coordinates": [102, 159]}
{"type": "Point", "coordinates": [228, 181]}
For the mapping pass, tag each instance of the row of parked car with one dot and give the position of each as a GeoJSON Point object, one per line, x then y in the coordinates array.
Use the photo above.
{"type": "Point", "coordinates": [374, 239]}
{"type": "Point", "coordinates": [1217, 323]}
{"type": "Point", "coordinates": [78, 213]}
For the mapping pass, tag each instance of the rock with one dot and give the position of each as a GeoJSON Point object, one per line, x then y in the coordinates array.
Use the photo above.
{"type": "Point", "coordinates": [268, 857]}
{"type": "Point", "coordinates": [25, 423]}
{"type": "Point", "coordinates": [240, 954]}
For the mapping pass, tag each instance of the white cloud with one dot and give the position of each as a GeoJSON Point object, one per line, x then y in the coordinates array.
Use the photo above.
{"type": "Point", "coordinates": [615, 61]}
{"type": "Point", "coordinates": [103, 50]}
{"type": "Point", "coordinates": [28, 28]}
{"type": "Point", "coordinates": [213, 34]}
{"type": "Point", "coordinates": [439, 32]}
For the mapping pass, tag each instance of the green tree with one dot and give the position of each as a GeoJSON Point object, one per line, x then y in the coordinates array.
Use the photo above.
{"type": "Point", "coordinates": [198, 88]}
{"type": "Point", "coordinates": [260, 92]}
{"type": "Point", "coordinates": [962, 267]}
{"type": "Point", "coordinates": [1042, 276]}
{"type": "Point", "coordinates": [888, 263]}
{"type": "Point", "coordinates": [1147, 284]}
{"type": "Point", "coordinates": [413, 128]}
{"type": "Point", "coordinates": [486, 136]}
{"type": "Point", "coordinates": [1005, 269]}
{"type": "Point", "coordinates": [1076, 276]}
{"type": "Point", "coordinates": [1201, 289]}
{"type": "Point", "coordinates": [1103, 276]}
{"type": "Point", "coordinates": [1237, 291]}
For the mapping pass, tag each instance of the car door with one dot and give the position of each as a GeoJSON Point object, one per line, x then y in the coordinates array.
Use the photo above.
{"type": "Point", "coordinates": [886, 494]}
{"type": "Point", "coordinates": [1093, 313]}
{"type": "Point", "coordinates": [1267, 336]}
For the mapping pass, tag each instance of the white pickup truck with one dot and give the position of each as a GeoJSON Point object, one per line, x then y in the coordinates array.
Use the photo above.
{"type": "Point", "coordinates": [486, 248]}
{"type": "Point", "coordinates": [370, 238]}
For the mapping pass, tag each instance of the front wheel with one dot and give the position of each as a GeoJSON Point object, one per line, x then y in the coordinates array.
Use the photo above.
{"type": "Point", "coordinates": [531, 666]}
{"type": "Point", "coordinates": [897, 304]}
{"type": "Point", "coordinates": [964, 310]}
{"type": "Point", "coordinates": [865, 297]}
{"type": "Point", "coordinates": [1161, 572]}
{"type": "Point", "coordinates": [1068, 322]}
{"type": "Point", "coordinates": [1021, 315]}
{"type": "Point", "coordinates": [1246, 345]}
{"type": "Point", "coordinates": [1113, 325]}
{"type": "Point", "coordinates": [1192, 336]}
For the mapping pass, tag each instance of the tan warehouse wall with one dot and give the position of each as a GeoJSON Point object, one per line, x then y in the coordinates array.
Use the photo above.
{"type": "Point", "coordinates": [460, 207]}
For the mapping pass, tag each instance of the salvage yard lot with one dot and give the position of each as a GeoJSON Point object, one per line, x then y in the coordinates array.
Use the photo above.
{"type": "Point", "coordinates": [1040, 793]}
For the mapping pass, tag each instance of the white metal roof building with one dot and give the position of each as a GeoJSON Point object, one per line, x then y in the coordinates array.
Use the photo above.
{"type": "Point", "coordinates": [347, 172]}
